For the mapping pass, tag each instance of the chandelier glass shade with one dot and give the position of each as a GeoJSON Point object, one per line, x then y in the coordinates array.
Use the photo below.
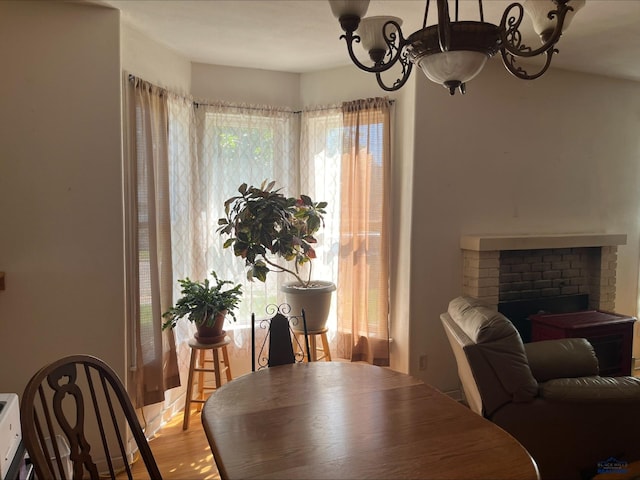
{"type": "Point", "coordinates": [451, 53]}
{"type": "Point", "coordinates": [542, 24]}
{"type": "Point", "coordinates": [460, 65]}
{"type": "Point", "coordinates": [372, 34]}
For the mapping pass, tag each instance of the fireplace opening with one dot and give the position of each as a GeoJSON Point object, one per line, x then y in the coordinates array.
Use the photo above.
{"type": "Point", "coordinates": [519, 311]}
{"type": "Point", "coordinates": [548, 280]}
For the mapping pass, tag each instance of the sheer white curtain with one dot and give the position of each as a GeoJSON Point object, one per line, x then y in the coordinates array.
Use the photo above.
{"type": "Point", "coordinates": [320, 159]}
{"type": "Point", "coordinates": [182, 187]}
{"type": "Point", "coordinates": [214, 148]}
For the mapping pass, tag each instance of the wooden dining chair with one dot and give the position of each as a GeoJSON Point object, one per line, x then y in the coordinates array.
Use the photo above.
{"type": "Point", "coordinates": [280, 346]}
{"type": "Point", "coordinates": [74, 414]}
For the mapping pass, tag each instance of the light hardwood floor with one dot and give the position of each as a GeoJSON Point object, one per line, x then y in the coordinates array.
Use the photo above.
{"type": "Point", "coordinates": [180, 455]}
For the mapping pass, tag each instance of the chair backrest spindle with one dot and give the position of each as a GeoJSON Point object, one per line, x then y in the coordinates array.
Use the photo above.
{"type": "Point", "coordinates": [72, 422]}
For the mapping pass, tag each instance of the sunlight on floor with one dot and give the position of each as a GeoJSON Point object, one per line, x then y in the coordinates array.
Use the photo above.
{"type": "Point", "coordinates": [180, 454]}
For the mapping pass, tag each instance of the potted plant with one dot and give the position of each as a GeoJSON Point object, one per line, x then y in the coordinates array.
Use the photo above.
{"type": "Point", "coordinates": [265, 225]}
{"type": "Point", "coordinates": [206, 305]}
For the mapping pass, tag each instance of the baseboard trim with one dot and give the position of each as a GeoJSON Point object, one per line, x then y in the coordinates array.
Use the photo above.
{"type": "Point", "coordinates": [455, 394]}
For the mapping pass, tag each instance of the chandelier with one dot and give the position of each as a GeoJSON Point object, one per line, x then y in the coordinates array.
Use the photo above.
{"type": "Point", "coordinates": [453, 52]}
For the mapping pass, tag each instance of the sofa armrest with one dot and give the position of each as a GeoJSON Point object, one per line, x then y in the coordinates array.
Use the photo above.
{"type": "Point", "coordinates": [562, 358]}
{"type": "Point", "coordinates": [592, 390]}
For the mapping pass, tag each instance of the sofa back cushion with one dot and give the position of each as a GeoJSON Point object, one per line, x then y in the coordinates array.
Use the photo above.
{"type": "Point", "coordinates": [495, 354]}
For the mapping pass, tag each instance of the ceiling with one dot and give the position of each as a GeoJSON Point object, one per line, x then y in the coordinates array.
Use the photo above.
{"type": "Point", "coordinates": [303, 36]}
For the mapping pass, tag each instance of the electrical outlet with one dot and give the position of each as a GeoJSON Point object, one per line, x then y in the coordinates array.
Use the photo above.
{"type": "Point", "coordinates": [422, 362]}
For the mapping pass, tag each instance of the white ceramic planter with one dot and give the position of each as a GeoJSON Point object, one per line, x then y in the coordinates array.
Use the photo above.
{"type": "Point", "coordinates": [315, 300]}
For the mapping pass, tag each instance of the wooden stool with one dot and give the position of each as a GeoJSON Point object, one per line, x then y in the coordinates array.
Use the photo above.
{"type": "Point", "coordinates": [200, 367]}
{"type": "Point", "coordinates": [313, 347]}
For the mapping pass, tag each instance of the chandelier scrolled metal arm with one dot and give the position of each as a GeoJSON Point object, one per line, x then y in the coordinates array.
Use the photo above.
{"type": "Point", "coordinates": [451, 53]}
{"type": "Point", "coordinates": [383, 59]}
{"type": "Point", "coordinates": [378, 56]}
{"type": "Point", "coordinates": [511, 39]}
{"type": "Point", "coordinates": [510, 61]}
{"type": "Point", "coordinates": [402, 79]}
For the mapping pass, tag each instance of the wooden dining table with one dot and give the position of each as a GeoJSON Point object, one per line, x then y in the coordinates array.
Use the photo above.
{"type": "Point", "coordinates": [338, 420]}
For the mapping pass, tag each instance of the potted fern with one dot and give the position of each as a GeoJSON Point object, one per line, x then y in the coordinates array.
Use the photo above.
{"type": "Point", "coordinates": [275, 233]}
{"type": "Point", "coordinates": [206, 305]}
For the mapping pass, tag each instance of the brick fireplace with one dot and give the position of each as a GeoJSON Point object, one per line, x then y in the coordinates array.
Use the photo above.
{"type": "Point", "coordinates": [499, 269]}
{"type": "Point", "coordinates": [560, 275]}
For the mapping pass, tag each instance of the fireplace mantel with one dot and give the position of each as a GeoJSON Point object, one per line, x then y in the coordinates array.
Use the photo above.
{"type": "Point", "coordinates": [486, 243]}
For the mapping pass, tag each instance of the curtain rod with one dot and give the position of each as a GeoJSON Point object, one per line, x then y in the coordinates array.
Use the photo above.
{"type": "Point", "coordinates": [319, 109]}
{"type": "Point", "coordinates": [245, 107]}
{"type": "Point", "coordinates": [235, 105]}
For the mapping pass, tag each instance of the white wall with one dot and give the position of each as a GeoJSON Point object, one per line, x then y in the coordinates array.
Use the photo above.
{"type": "Point", "coordinates": [560, 154]}
{"type": "Point", "coordinates": [154, 62]}
{"type": "Point", "coordinates": [61, 229]}
{"type": "Point", "coordinates": [402, 228]}
{"type": "Point", "coordinates": [340, 85]}
{"type": "Point", "coordinates": [245, 85]}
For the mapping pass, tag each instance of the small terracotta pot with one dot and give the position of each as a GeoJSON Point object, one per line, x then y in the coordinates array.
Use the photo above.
{"type": "Point", "coordinates": [212, 334]}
